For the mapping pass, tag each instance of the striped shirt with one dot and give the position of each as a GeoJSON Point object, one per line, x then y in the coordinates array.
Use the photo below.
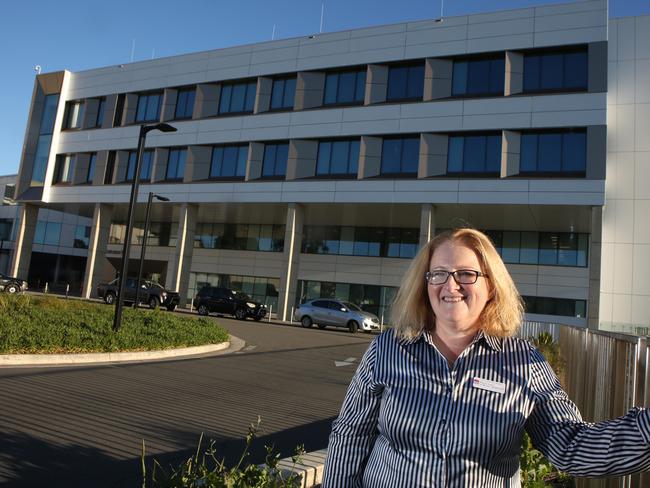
{"type": "Point", "coordinates": [411, 420]}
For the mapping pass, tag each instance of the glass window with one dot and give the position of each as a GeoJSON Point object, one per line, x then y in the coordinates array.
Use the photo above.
{"type": "Point", "coordinates": [146, 165]}
{"type": "Point", "coordinates": [237, 98]}
{"type": "Point", "coordinates": [283, 94]}
{"type": "Point", "coordinates": [510, 247]}
{"type": "Point", "coordinates": [148, 107]}
{"type": "Point", "coordinates": [548, 244]}
{"type": "Point", "coordinates": [49, 113]}
{"type": "Point", "coordinates": [40, 159]}
{"type": "Point", "coordinates": [346, 87]}
{"type": "Point", "coordinates": [92, 163]}
{"type": "Point", "coordinates": [338, 157]}
{"type": "Point", "coordinates": [101, 109]}
{"type": "Point", "coordinates": [476, 77]}
{"type": "Point", "coordinates": [274, 164]}
{"type": "Point", "coordinates": [405, 82]}
{"type": "Point", "coordinates": [474, 154]}
{"type": "Point", "coordinates": [48, 233]}
{"type": "Point", "coordinates": [529, 251]}
{"type": "Point", "coordinates": [82, 237]}
{"type": "Point", "coordinates": [555, 71]}
{"type": "Point", "coordinates": [229, 161]}
{"type": "Point", "coordinates": [555, 306]}
{"type": "Point", "coordinates": [74, 114]}
{"type": "Point", "coordinates": [185, 103]}
{"type": "Point", "coordinates": [64, 168]}
{"type": "Point", "coordinates": [400, 156]}
{"type": "Point", "coordinates": [347, 241]}
{"type": "Point", "coordinates": [554, 152]}
{"type": "Point", "coordinates": [176, 164]}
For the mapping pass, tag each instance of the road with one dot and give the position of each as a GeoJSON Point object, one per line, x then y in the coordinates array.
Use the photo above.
{"type": "Point", "coordinates": [84, 426]}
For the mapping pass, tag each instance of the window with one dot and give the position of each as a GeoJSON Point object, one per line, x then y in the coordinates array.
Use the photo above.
{"type": "Point", "coordinates": [339, 157]}
{"type": "Point", "coordinates": [82, 237]}
{"type": "Point", "coordinates": [555, 71]}
{"type": "Point", "coordinates": [145, 165]}
{"type": "Point", "coordinates": [176, 164]}
{"type": "Point", "coordinates": [553, 152]}
{"type": "Point", "coordinates": [119, 109]}
{"type": "Point", "coordinates": [476, 77]}
{"type": "Point", "coordinates": [101, 109]}
{"type": "Point", "coordinates": [74, 114]}
{"type": "Point", "coordinates": [185, 103]}
{"type": "Point", "coordinates": [148, 107]}
{"type": "Point", "coordinates": [260, 289]}
{"type": "Point", "coordinates": [110, 168]}
{"type": "Point", "coordinates": [275, 160]}
{"type": "Point", "coordinates": [283, 93]}
{"type": "Point", "coordinates": [48, 117]}
{"type": "Point", "coordinates": [5, 229]}
{"type": "Point", "coordinates": [405, 82]}
{"type": "Point", "coordinates": [92, 162]}
{"type": "Point", "coordinates": [400, 156]}
{"type": "Point", "coordinates": [245, 237]}
{"type": "Point", "coordinates": [48, 233]}
{"type": "Point", "coordinates": [237, 98]}
{"type": "Point", "coordinates": [64, 168]}
{"type": "Point", "coordinates": [345, 88]}
{"type": "Point", "coordinates": [361, 241]}
{"type": "Point", "coordinates": [565, 307]}
{"type": "Point", "coordinates": [475, 154]}
{"type": "Point", "coordinates": [229, 161]}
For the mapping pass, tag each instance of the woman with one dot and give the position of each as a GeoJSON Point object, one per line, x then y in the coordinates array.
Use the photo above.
{"type": "Point", "coordinates": [444, 398]}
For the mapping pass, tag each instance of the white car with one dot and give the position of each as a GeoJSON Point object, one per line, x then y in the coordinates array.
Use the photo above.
{"type": "Point", "coordinates": [337, 313]}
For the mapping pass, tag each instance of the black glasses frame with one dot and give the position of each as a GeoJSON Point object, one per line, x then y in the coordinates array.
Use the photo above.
{"type": "Point", "coordinates": [429, 274]}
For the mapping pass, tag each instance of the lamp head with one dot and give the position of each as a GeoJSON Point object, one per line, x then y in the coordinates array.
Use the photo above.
{"type": "Point", "coordinates": [161, 198]}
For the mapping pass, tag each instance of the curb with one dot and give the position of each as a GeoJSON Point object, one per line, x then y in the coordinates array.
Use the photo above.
{"type": "Point", "coordinates": [118, 357]}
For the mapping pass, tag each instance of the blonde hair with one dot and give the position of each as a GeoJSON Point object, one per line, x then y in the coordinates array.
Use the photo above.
{"type": "Point", "coordinates": [503, 313]}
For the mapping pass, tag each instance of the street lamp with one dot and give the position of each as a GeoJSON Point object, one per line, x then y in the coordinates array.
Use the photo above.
{"type": "Point", "coordinates": [144, 242]}
{"type": "Point", "coordinates": [144, 130]}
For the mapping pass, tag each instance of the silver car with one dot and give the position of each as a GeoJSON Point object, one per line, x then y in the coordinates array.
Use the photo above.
{"type": "Point", "coordinates": [337, 313]}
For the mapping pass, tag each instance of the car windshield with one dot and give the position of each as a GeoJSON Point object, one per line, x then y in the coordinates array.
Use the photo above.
{"type": "Point", "coordinates": [352, 306]}
{"type": "Point", "coordinates": [241, 295]}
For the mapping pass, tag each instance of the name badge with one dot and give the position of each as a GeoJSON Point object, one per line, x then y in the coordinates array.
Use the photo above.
{"type": "Point", "coordinates": [495, 386]}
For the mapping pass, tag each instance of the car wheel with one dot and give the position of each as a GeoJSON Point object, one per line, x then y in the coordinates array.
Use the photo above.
{"type": "Point", "coordinates": [109, 298]}
{"type": "Point", "coordinates": [257, 319]}
{"type": "Point", "coordinates": [12, 288]}
{"type": "Point", "coordinates": [171, 308]}
{"type": "Point", "coordinates": [153, 303]}
{"type": "Point", "coordinates": [353, 326]}
{"type": "Point", "coordinates": [321, 326]}
{"type": "Point", "coordinates": [203, 310]}
{"type": "Point", "coordinates": [240, 314]}
{"type": "Point", "coordinates": [306, 322]}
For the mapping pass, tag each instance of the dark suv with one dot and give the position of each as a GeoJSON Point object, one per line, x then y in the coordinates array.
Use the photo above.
{"type": "Point", "coordinates": [150, 293]}
{"type": "Point", "coordinates": [8, 284]}
{"type": "Point", "coordinates": [213, 299]}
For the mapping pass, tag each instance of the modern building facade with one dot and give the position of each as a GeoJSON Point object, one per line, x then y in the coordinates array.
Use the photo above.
{"type": "Point", "coordinates": [317, 166]}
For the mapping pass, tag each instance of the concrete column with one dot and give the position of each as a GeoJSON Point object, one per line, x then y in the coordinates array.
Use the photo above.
{"type": "Point", "coordinates": [369, 157]}
{"type": "Point", "coordinates": [90, 113]}
{"type": "Point", "coordinates": [263, 95]}
{"type": "Point", "coordinates": [437, 78]}
{"type": "Point", "coordinates": [433, 155]}
{"type": "Point", "coordinates": [130, 108]}
{"type": "Point", "coordinates": [255, 161]}
{"type": "Point", "coordinates": [206, 102]}
{"type": "Point", "coordinates": [159, 170]}
{"type": "Point", "coordinates": [198, 163]}
{"type": "Point", "coordinates": [22, 255]}
{"type": "Point", "coordinates": [514, 79]}
{"type": "Point", "coordinates": [109, 110]}
{"type": "Point", "coordinates": [301, 162]}
{"type": "Point", "coordinates": [168, 112]}
{"type": "Point", "coordinates": [310, 86]}
{"type": "Point", "coordinates": [292, 246]}
{"type": "Point", "coordinates": [427, 223]}
{"type": "Point", "coordinates": [595, 253]}
{"type": "Point", "coordinates": [376, 84]}
{"type": "Point", "coordinates": [597, 67]}
{"type": "Point", "coordinates": [510, 153]}
{"type": "Point", "coordinates": [96, 262]}
{"type": "Point", "coordinates": [80, 172]}
{"type": "Point", "coordinates": [121, 165]}
{"type": "Point", "coordinates": [596, 152]}
{"type": "Point", "coordinates": [178, 270]}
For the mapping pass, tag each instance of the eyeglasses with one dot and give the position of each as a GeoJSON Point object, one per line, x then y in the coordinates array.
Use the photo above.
{"type": "Point", "coordinates": [461, 276]}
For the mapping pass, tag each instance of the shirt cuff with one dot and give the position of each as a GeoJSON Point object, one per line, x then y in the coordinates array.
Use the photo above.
{"type": "Point", "coordinates": [643, 421]}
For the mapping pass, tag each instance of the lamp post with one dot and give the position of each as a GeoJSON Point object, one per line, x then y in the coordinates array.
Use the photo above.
{"type": "Point", "coordinates": [144, 243]}
{"type": "Point", "coordinates": [144, 130]}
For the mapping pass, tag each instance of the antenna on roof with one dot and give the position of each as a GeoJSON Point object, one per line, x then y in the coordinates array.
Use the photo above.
{"type": "Point", "coordinates": [132, 50]}
{"type": "Point", "coordinates": [442, 5]}
{"type": "Point", "coordinates": [37, 68]}
{"type": "Point", "coordinates": [273, 33]}
{"type": "Point", "coordinates": [322, 14]}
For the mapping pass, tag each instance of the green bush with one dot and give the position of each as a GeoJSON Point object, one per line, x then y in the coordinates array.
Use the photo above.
{"type": "Point", "coordinates": [44, 324]}
{"type": "Point", "coordinates": [204, 470]}
{"type": "Point", "coordinates": [536, 470]}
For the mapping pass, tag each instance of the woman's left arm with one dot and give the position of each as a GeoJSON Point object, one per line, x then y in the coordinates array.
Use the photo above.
{"type": "Point", "coordinates": [610, 448]}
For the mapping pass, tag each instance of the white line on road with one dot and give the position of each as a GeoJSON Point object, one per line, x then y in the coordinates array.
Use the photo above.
{"type": "Point", "coordinates": [346, 362]}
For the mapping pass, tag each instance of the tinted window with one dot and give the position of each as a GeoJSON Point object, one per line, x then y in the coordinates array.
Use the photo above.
{"type": "Point", "coordinates": [283, 93]}
{"type": "Point", "coordinates": [185, 103]}
{"type": "Point", "coordinates": [345, 88]}
{"type": "Point", "coordinates": [321, 303]}
{"type": "Point", "coordinates": [148, 107]}
{"type": "Point", "coordinates": [92, 162]}
{"type": "Point", "coordinates": [229, 161]}
{"type": "Point", "coordinates": [400, 156]}
{"type": "Point", "coordinates": [553, 152]}
{"type": "Point", "coordinates": [101, 108]}
{"type": "Point", "coordinates": [476, 154]}
{"type": "Point", "coordinates": [176, 164]}
{"type": "Point", "coordinates": [338, 157]}
{"type": "Point", "coordinates": [478, 77]}
{"type": "Point", "coordinates": [237, 98]}
{"type": "Point", "coordinates": [555, 71]}
{"type": "Point", "coordinates": [406, 82]}
{"type": "Point", "coordinates": [275, 160]}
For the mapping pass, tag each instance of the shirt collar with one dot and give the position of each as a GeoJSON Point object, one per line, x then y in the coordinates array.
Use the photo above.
{"type": "Point", "coordinates": [492, 342]}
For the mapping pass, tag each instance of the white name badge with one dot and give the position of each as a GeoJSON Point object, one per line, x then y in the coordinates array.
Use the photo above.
{"type": "Point", "coordinates": [495, 386]}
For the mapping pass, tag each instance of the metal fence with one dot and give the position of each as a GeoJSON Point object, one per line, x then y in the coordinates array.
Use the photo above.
{"type": "Point", "coordinates": [606, 374]}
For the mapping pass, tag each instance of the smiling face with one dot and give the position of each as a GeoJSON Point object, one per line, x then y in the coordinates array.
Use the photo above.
{"type": "Point", "coordinates": [457, 307]}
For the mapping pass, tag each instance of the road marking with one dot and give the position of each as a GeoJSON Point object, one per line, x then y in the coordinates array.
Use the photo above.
{"type": "Point", "coordinates": [346, 362]}
{"type": "Point", "coordinates": [246, 349]}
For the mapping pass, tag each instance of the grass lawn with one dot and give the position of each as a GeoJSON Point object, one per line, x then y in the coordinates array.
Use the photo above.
{"type": "Point", "coordinates": [39, 325]}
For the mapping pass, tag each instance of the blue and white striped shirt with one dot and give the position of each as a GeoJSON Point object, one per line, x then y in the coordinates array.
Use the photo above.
{"type": "Point", "coordinates": [409, 420]}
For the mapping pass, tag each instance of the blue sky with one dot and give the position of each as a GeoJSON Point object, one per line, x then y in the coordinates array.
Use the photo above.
{"type": "Point", "coordinates": [78, 35]}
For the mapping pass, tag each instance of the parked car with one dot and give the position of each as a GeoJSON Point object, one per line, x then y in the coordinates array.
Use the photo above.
{"type": "Point", "coordinates": [150, 293]}
{"type": "Point", "coordinates": [9, 284]}
{"type": "Point", "coordinates": [215, 299]}
{"type": "Point", "coordinates": [337, 313]}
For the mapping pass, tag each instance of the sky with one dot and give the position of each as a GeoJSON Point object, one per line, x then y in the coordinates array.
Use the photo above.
{"type": "Point", "coordinates": [78, 35]}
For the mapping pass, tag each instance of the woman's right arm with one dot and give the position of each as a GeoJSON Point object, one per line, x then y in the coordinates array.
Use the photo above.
{"type": "Point", "coordinates": [355, 430]}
